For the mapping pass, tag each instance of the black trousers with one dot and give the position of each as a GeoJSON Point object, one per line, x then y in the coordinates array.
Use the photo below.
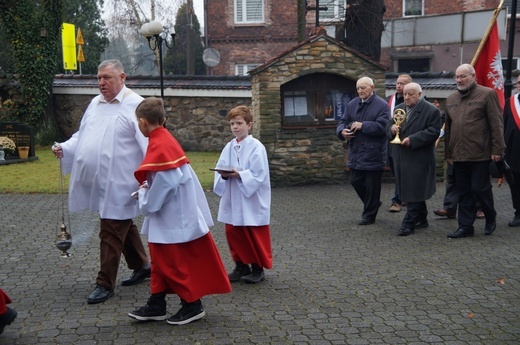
{"type": "Point", "coordinates": [451, 198]}
{"type": "Point", "coordinates": [415, 211]}
{"type": "Point", "coordinates": [515, 193]}
{"type": "Point", "coordinates": [367, 184]}
{"type": "Point", "coordinates": [473, 183]}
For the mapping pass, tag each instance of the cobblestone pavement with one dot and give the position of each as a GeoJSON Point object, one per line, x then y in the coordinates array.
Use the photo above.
{"type": "Point", "coordinates": [333, 282]}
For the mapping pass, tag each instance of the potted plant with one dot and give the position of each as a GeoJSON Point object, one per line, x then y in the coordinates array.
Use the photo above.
{"type": "Point", "coordinates": [8, 145]}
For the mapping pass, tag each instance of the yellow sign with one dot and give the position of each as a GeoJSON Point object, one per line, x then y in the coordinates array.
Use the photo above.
{"type": "Point", "coordinates": [68, 42]}
{"type": "Point", "coordinates": [81, 57]}
{"type": "Point", "coordinates": [79, 39]}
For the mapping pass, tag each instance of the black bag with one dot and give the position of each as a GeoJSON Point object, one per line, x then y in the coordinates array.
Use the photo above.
{"type": "Point", "coordinates": [501, 169]}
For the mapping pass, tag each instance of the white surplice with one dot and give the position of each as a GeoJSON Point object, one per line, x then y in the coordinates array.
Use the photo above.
{"type": "Point", "coordinates": [174, 206]}
{"type": "Point", "coordinates": [103, 155]}
{"type": "Point", "coordinates": [245, 201]}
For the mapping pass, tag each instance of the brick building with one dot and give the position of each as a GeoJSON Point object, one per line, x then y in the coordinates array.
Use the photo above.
{"type": "Point", "coordinates": [248, 33]}
{"type": "Point", "coordinates": [246, 36]}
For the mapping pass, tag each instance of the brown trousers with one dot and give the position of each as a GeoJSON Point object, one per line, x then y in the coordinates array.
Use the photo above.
{"type": "Point", "coordinates": [118, 237]}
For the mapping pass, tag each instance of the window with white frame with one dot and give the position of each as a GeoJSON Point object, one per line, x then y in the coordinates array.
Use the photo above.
{"type": "Point", "coordinates": [413, 7]}
{"type": "Point", "coordinates": [243, 69]}
{"type": "Point", "coordinates": [335, 9]}
{"type": "Point", "coordinates": [249, 11]}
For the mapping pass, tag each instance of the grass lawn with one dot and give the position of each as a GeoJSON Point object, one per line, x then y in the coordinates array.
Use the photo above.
{"type": "Point", "coordinates": [42, 175]}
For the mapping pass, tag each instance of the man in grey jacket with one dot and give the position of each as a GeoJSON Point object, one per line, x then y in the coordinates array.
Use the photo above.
{"type": "Point", "coordinates": [474, 136]}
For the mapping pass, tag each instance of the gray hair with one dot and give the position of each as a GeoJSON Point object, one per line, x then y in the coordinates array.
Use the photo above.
{"type": "Point", "coordinates": [468, 68]}
{"type": "Point", "coordinates": [116, 64]}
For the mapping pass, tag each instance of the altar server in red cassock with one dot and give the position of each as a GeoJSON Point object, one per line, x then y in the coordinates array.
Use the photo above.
{"type": "Point", "coordinates": [245, 199]}
{"type": "Point", "coordinates": [185, 259]}
{"type": "Point", "coordinates": [7, 315]}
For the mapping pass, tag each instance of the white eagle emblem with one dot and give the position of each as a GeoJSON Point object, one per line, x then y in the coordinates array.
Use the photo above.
{"type": "Point", "coordinates": [495, 73]}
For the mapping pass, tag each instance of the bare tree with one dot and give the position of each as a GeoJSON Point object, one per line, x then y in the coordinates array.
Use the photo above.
{"type": "Point", "coordinates": [124, 18]}
{"type": "Point", "coordinates": [364, 26]}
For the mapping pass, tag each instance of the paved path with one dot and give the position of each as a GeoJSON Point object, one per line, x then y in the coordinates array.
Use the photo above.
{"type": "Point", "coordinates": [334, 282]}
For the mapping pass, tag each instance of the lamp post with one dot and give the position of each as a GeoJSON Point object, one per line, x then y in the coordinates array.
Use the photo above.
{"type": "Point", "coordinates": [156, 34]}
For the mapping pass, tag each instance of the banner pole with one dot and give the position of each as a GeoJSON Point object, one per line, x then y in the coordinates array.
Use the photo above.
{"type": "Point", "coordinates": [496, 12]}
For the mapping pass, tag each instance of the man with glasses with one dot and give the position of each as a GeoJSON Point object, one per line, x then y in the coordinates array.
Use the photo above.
{"type": "Point", "coordinates": [473, 136]}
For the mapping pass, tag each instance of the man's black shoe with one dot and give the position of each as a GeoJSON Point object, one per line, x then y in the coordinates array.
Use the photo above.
{"type": "Point", "coordinates": [460, 233]}
{"type": "Point", "coordinates": [7, 318]}
{"type": "Point", "coordinates": [515, 222]}
{"type": "Point", "coordinates": [490, 227]}
{"type": "Point", "coordinates": [366, 221]}
{"type": "Point", "coordinates": [405, 231]}
{"type": "Point", "coordinates": [422, 224]}
{"type": "Point", "coordinates": [138, 276]}
{"type": "Point", "coordinates": [100, 294]}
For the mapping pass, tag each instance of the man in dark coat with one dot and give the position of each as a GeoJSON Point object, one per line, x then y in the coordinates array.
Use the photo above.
{"type": "Point", "coordinates": [414, 157]}
{"type": "Point", "coordinates": [363, 126]}
{"type": "Point", "coordinates": [512, 154]}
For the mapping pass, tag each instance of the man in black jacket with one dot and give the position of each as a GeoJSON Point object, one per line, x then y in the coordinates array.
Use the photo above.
{"type": "Point", "coordinates": [512, 154]}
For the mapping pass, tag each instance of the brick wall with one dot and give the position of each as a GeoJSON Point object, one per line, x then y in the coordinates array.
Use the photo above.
{"type": "Point", "coordinates": [250, 43]}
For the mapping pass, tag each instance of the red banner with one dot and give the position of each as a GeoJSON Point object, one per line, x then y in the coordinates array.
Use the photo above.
{"type": "Point", "coordinates": [488, 66]}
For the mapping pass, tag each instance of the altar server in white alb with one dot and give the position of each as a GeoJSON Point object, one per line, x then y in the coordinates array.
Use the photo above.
{"type": "Point", "coordinates": [185, 259]}
{"type": "Point", "coordinates": [101, 158]}
{"type": "Point", "coordinates": [245, 203]}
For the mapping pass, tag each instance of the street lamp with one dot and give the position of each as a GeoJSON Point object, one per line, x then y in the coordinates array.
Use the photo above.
{"type": "Point", "coordinates": [156, 34]}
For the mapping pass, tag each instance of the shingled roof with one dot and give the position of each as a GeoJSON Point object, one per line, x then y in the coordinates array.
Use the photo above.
{"type": "Point", "coordinates": [173, 82]}
{"type": "Point", "coordinates": [428, 81]}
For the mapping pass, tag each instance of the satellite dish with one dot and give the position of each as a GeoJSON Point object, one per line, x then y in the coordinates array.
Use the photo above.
{"type": "Point", "coordinates": [211, 57]}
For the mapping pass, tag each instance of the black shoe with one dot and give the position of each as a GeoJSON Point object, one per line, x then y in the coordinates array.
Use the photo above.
{"type": "Point", "coordinates": [490, 227]}
{"type": "Point", "coordinates": [154, 310]}
{"type": "Point", "coordinates": [7, 318]}
{"type": "Point", "coordinates": [366, 221]}
{"type": "Point", "coordinates": [257, 275]}
{"type": "Point", "coordinates": [239, 271]}
{"type": "Point", "coordinates": [515, 222]}
{"type": "Point", "coordinates": [100, 294]}
{"type": "Point", "coordinates": [188, 313]}
{"type": "Point", "coordinates": [405, 231]}
{"type": "Point", "coordinates": [138, 276]}
{"type": "Point", "coordinates": [460, 233]}
{"type": "Point", "coordinates": [421, 224]}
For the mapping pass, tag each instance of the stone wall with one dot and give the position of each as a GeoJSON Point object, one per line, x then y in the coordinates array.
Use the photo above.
{"type": "Point", "coordinates": [198, 123]}
{"type": "Point", "coordinates": [306, 155]}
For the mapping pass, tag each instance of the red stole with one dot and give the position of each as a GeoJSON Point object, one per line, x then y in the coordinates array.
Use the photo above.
{"type": "Point", "coordinates": [514, 110]}
{"type": "Point", "coordinates": [163, 153]}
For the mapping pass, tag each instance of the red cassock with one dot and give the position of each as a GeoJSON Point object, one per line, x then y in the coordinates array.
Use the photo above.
{"type": "Point", "coordinates": [4, 301]}
{"type": "Point", "coordinates": [191, 270]}
{"type": "Point", "coordinates": [250, 244]}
